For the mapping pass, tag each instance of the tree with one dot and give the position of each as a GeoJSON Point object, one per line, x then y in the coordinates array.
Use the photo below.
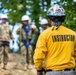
{"type": "Point", "coordinates": [16, 8]}
{"type": "Point", "coordinates": [70, 8]}
{"type": "Point", "coordinates": [37, 8]}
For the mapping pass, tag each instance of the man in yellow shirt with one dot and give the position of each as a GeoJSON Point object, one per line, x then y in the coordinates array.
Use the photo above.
{"type": "Point", "coordinates": [56, 45]}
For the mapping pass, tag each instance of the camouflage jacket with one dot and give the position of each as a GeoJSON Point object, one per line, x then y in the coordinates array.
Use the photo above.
{"type": "Point", "coordinates": [22, 33]}
{"type": "Point", "coordinates": [5, 32]}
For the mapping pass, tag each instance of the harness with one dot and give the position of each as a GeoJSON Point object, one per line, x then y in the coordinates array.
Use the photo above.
{"type": "Point", "coordinates": [27, 41]}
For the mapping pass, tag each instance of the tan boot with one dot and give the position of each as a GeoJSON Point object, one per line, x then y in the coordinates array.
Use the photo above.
{"type": "Point", "coordinates": [30, 66]}
{"type": "Point", "coordinates": [4, 67]}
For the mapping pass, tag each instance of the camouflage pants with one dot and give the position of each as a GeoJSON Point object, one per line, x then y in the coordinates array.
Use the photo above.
{"type": "Point", "coordinates": [71, 72]}
{"type": "Point", "coordinates": [23, 52]}
{"type": "Point", "coordinates": [4, 54]}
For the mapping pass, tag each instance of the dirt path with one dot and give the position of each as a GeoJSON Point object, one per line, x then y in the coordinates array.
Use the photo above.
{"type": "Point", "coordinates": [16, 68]}
{"type": "Point", "coordinates": [17, 72]}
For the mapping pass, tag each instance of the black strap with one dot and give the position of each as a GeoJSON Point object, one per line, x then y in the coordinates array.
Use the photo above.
{"type": "Point", "coordinates": [60, 70]}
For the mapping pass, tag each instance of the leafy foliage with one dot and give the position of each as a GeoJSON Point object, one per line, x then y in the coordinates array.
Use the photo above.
{"type": "Point", "coordinates": [70, 8]}
{"type": "Point", "coordinates": [37, 8]}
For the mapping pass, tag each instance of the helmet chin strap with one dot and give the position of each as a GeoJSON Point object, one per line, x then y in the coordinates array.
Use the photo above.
{"type": "Point", "coordinates": [57, 24]}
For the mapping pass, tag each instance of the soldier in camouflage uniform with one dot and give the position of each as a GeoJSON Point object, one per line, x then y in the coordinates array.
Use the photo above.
{"type": "Point", "coordinates": [44, 25]}
{"type": "Point", "coordinates": [25, 32]}
{"type": "Point", "coordinates": [35, 35]}
{"type": "Point", "coordinates": [5, 35]}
